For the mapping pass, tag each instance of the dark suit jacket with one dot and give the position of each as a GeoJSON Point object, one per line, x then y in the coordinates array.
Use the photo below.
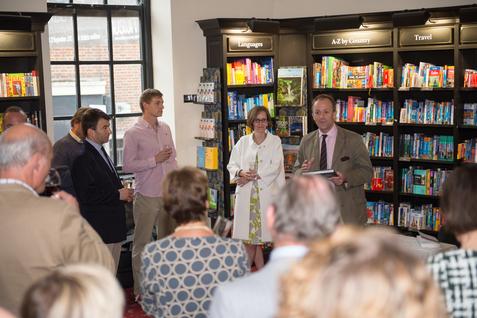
{"type": "Point", "coordinates": [97, 192]}
{"type": "Point", "coordinates": [351, 158]}
{"type": "Point", "coordinates": [65, 152]}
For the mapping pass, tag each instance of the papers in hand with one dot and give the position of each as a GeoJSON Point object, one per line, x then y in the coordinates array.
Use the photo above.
{"type": "Point", "coordinates": [324, 173]}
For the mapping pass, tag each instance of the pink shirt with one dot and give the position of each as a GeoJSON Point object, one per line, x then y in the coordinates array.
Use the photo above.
{"type": "Point", "coordinates": [330, 144]}
{"type": "Point", "coordinates": [141, 145]}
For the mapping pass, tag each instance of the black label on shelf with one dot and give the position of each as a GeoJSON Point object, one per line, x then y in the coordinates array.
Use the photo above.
{"type": "Point", "coordinates": [17, 41]}
{"type": "Point", "coordinates": [250, 43]}
{"type": "Point", "coordinates": [352, 39]}
{"type": "Point", "coordinates": [468, 34]}
{"type": "Point", "coordinates": [425, 36]}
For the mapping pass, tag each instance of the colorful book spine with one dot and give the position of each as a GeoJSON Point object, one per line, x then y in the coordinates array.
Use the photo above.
{"type": "Point", "coordinates": [422, 181]}
{"type": "Point", "coordinates": [420, 146]}
{"type": "Point", "coordinates": [420, 217]}
{"type": "Point", "coordinates": [380, 212]}
{"type": "Point", "coordinates": [247, 72]}
{"type": "Point", "coordinates": [379, 145]}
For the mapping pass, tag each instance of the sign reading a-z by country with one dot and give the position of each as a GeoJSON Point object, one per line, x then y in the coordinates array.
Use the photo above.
{"type": "Point", "coordinates": [425, 36]}
{"type": "Point", "coordinates": [250, 43]}
{"type": "Point", "coordinates": [353, 39]}
{"type": "Point", "coordinates": [468, 34]}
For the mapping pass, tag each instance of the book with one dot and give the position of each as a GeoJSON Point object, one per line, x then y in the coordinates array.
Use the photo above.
{"type": "Point", "coordinates": [290, 155]}
{"type": "Point", "coordinates": [212, 195]}
{"type": "Point", "coordinates": [282, 126]}
{"type": "Point", "coordinates": [324, 173]}
{"type": "Point", "coordinates": [290, 83]}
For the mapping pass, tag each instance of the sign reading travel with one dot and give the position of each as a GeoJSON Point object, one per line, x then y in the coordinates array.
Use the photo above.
{"type": "Point", "coordinates": [250, 44]}
{"type": "Point", "coordinates": [352, 39]}
{"type": "Point", "coordinates": [425, 36]}
{"type": "Point", "coordinates": [468, 34]}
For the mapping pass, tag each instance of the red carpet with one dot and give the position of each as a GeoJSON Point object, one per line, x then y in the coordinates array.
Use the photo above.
{"type": "Point", "coordinates": [133, 309]}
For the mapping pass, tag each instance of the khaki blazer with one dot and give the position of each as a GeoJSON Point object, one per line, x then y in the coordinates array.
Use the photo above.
{"type": "Point", "coordinates": [37, 235]}
{"type": "Point", "coordinates": [351, 158]}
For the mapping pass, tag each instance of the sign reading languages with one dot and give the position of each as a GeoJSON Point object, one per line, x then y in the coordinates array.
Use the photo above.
{"type": "Point", "coordinates": [250, 43]}
{"type": "Point", "coordinates": [468, 34]}
{"type": "Point", "coordinates": [425, 36]}
{"type": "Point", "coordinates": [352, 39]}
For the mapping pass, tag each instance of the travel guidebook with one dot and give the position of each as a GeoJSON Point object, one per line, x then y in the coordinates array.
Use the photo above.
{"type": "Point", "coordinates": [291, 82]}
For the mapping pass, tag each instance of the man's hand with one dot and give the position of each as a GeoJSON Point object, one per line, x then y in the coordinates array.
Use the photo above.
{"type": "Point", "coordinates": [306, 165]}
{"type": "Point", "coordinates": [126, 194]}
{"type": "Point", "coordinates": [68, 198]}
{"type": "Point", "coordinates": [338, 180]}
{"type": "Point", "coordinates": [163, 155]}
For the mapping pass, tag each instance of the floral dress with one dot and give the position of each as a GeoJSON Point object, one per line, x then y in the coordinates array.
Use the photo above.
{"type": "Point", "coordinates": [255, 227]}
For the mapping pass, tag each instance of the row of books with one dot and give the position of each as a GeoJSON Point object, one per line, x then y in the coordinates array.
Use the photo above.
{"type": "Point", "coordinates": [427, 75]}
{"type": "Point", "coordinates": [423, 181]}
{"type": "Point", "coordinates": [287, 126]}
{"type": "Point", "coordinates": [19, 84]}
{"type": "Point", "coordinates": [207, 128]}
{"type": "Point", "coordinates": [206, 93]}
{"type": "Point", "coordinates": [467, 150]}
{"type": "Point", "coordinates": [207, 157]}
{"type": "Point", "coordinates": [420, 146]}
{"type": "Point", "coordinates": [470, 114]}
{"type": "Point", "coordinates": [379, 145]}
{"type": "Point", "coordinates": [427, 112]}
{"type": "Point", "coordinates": [354, 110]}
{"type": "Point", "coordinates": [382, 180]}
{"type": "Point", "coordinates": [421, 217]}
{"type": "Point", "coordinates": [380, 212]}
{"type": "Point", "coordinates": [240, 105]}
{"type": "Point", "coordinates": [245, 71]}
{"type": "Point", "coordinates": [290, 155]}
{"type": "Point", "coordinates": [470, 78]}
{"type": "Point", "coordinates": [235, 133]}
{"type": "Point", "coordinates": [334, 72]}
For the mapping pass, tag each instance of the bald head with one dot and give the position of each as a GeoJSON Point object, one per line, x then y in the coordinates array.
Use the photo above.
{"type": "Point", "coordinates": [13, 116]}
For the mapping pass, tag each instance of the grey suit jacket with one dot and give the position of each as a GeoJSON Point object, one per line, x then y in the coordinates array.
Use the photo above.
{"type": "Point", "coordinates": [253, 296]}
{"type": "Point", "coordinates": [351, 158]}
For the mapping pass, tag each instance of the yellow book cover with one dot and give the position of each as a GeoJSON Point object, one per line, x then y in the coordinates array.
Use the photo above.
{"type": "Point", "coordinates": [229, 73]}
{"type": "Point", "coordinates": [16, 84]}
{"type": "Point", "coordinates": [211, 158]}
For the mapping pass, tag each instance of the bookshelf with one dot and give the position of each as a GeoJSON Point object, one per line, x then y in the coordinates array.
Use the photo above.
{"type": "Point", "coordinates": [423, 105]}
{"type": "Point", "coordinates": [20, 55]}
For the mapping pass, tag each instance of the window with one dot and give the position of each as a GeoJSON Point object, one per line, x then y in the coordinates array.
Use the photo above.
{"type": "Point", "coordinates": [99, 51]}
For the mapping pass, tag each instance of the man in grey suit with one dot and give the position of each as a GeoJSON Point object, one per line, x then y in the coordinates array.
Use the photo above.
{"type": "Point", "coordinates": [305, 209]}
{"type": "Point", "coordinates": [332, 147]}
{"type": "Point", "coordinates": [37, 234]}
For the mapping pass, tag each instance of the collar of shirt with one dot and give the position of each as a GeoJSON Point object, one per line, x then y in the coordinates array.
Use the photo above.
{"type": "Point", "coordinates": [331, 133]}
{"type": "Point", "coordinates": [19, 182]}
{"type": "Point", "coordinates": [289, 251]}
{"type": "Point", "coordinates": [252, 142]}
{"type": "Point", "coordinates": [75, 137]}
{"type": "Point", "coordinates": [142, 122]}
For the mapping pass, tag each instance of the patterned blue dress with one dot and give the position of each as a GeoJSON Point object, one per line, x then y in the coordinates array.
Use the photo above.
{"type": "Point", "coordinates": [179, 275]}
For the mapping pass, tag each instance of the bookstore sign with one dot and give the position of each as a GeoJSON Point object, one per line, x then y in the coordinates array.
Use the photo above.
{"type": "Point", "coordinates": [352, 39]}
{"type": "Point", "coordinates": [250, 44]}
{"type": "Point", "coordinates": [425, 36]}
{"type": "Point", "coordinates": [468, 34]}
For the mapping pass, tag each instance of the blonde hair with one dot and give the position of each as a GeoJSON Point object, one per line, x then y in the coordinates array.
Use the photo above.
{"type": "Point", "coordinates": [75, 291]}
{"type": "Point", "coordinates": [360, 273]}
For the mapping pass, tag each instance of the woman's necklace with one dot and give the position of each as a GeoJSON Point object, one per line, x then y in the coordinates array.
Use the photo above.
{"type": "Point", "coordinates": [192, 227]}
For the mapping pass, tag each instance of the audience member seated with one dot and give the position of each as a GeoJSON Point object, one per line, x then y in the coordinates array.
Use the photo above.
{"type": "Point", "coordinates": [37, 234]}
{"type": "Point", "coordinates": [304, 209]}
{"type": "Point", "coordinates": [75, 291]}
{"type": "Point", "coordinates": [456, 271]}
{"type": "Point", "coordinates": [360, 273]}
{"type": "Point", "coordinates": [180, 271]}
{"type": "Point", "coordinates": [13, 116]}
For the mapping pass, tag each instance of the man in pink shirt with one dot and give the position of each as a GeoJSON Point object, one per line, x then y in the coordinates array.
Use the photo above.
{"type": "Point", "coordinates": [149, 153]}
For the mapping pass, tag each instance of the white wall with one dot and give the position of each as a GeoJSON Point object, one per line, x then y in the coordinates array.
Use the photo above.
{"type": "Point", "coordinates": [187, 51]}
{"type": "Point", "coordinates": [23, 6]}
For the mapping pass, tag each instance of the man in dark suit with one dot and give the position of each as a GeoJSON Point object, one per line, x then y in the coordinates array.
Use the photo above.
{"type": "Point", "coordinates": [332, 147]}
{"type": "Point", "coordinates": [98, 187]}
{"type": "Point", "coordinates": [67, 149]}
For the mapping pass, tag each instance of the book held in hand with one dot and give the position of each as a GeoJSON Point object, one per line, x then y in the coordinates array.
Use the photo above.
{"type": "Point", "coordinates": [324, 173]}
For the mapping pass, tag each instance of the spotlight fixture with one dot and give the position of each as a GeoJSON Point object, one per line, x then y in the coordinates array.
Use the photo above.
{"type": "Point", "coordinates": [409, 18]}
{"type": "Point", "coordinates": [15, 22]}
{"type": "Point", "coordinates": [263, 25]}
{"type": "Point", "coordinates": [468, 14]}
{"type": "Point", "coordinates": [338, 22]}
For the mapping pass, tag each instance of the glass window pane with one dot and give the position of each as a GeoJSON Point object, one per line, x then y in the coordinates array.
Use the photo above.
{"type": "Point", "coordinates": [58, 1]}
{"type": "Point", "coordinates": [89, 1]}
{"type": "Point", "coordinates": [126, 35]}
{"type": "Point", "coordinates": [123, 2]}
{"type": "Point", "coordinates": [93, 38]}
{"type": "Point", "coordinates": [60, 29]}
{"type": "Point", "coordinates": [95, 87]}
{"type": "Point", "coordinates": [122, 124]}
{"type": "Point", "coordinates": [63, 89]}
{"type": "Point", "coordinates": [127, 87]}
{"type": "Point", "coordinates": [60, 128]}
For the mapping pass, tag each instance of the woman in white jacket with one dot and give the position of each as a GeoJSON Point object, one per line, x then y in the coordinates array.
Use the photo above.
{"type": "Point", "coordinates": [256, 165]}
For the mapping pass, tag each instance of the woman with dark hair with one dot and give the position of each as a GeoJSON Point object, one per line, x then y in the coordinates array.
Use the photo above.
{"type": "Point", "coordinates": [256, 165]}
{"type": "Point", "coordinates": [456, 270]}
{"type": "Point", "coordinates": [180, 272]}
